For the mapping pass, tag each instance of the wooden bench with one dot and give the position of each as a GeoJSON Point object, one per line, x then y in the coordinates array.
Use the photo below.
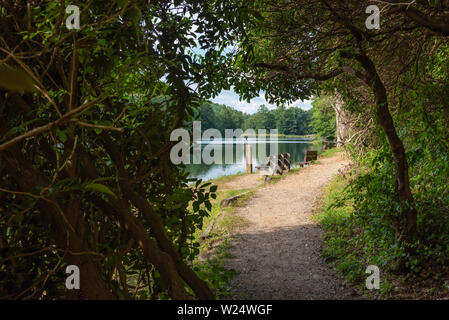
{"type": "Point", "coordinates": [310, 156]}
{"type": "Point", "coordinates": [270, 169]}
{"type": "Point", "coordinates": [276, 164]}
{"type": "Point", "coordinates": [283, 163]}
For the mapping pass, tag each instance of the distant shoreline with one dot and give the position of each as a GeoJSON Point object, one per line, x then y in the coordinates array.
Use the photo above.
{"type": "Point", "coordinates": [307, 136]}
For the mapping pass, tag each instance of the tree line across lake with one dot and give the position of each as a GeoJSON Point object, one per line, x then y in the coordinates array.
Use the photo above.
{"type": "Point", "coordinates": [287, 120]}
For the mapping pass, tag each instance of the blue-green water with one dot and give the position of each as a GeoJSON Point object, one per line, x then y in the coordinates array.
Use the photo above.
{"type": "Point", "coordinates": [296, 147]}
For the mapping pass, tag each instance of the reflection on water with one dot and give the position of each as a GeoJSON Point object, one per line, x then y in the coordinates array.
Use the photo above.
{"type": "Point", "coordinates": [296, 147]}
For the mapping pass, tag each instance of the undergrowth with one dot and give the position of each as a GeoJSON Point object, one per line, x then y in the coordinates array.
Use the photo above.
{"type": "Point", "coordinates": [359, 212]}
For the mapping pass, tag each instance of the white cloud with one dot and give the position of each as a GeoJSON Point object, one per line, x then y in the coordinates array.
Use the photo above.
{"type": "Point", "coordinates": [230, 98]}
{"type": "Point", "coordinates": [306, 104]}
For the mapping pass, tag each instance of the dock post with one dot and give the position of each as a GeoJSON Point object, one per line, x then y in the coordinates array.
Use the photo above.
{"type": "Point", "coordinates": [249, 161]}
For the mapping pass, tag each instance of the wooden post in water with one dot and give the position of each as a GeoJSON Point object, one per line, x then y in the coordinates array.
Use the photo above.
{"type": "Point", "coordinates": [249, 161]}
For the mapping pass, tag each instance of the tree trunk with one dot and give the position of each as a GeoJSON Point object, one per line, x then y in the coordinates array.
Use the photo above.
{"type": "Point", "coordinates": [92, 286]}
{"type": "Point", "coordinates": [341, 119]}
{"type": "Point", "coordinates": [199, 286]}
{"type": "Point", "coordinates": [120, 210]}
{"type": "Point", "coordinates": [402, 182]}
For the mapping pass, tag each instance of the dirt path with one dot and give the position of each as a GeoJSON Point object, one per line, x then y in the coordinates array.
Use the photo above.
{"type": "Point", "coordinates": [277, 254]}
{"type": "Point", "coordinates": [242, 182]}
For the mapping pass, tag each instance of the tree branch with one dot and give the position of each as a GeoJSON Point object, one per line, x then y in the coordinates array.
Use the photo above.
{"type": "Point", "coordinates": [297, 75]}
{"type": "Point", "coordinates": [47, 127]}
{"type": "Point", "coordinates": [317, 76]}
{"type": "Point", "coordinates": [440, 26]}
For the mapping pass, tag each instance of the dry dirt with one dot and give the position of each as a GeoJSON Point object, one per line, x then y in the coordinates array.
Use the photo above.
{"type": "Point", "coordinates": [278, 253]}
{"type": "Point", "coordinates": [242, 182]}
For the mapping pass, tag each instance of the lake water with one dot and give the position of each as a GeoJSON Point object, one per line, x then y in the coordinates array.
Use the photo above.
{"type": "Point", "coordinates": [295, 146]}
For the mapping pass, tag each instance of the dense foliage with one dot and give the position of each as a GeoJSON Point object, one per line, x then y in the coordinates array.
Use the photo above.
{"type": "Point", "coordinates": [371, 227]}
{"type": "Point", "coordinates": [323, 117]}
{"type": "Point", "coordinates": [85, 123]}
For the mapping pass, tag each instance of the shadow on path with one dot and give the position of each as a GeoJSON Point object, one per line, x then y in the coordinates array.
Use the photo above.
{"type": "Point", "coordinates": [285, 264]}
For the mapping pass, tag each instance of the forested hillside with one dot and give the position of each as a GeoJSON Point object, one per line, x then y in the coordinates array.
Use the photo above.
{"type": "Point", "coordinates": [288, 121]}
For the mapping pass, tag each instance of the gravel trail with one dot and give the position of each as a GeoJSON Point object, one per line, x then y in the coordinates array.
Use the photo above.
{"type": "Point", "coordinates": [278, 253]}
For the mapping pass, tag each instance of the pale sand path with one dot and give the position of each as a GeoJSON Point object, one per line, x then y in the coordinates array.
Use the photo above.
{"type": "Point", "coordinates": [246, 181]}
{"type": "Point", "coordinates": [278, 253]}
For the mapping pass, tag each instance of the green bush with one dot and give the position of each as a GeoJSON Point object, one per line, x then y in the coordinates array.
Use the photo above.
{"type": "Point", "coordinates": [360, 213]}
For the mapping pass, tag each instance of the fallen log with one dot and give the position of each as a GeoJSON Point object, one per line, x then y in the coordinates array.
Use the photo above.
{"type": "Point", "coordinates": [223, 203]}
{"type": "Point", "coordinates": [209, 227]}
{"type": "Point", "coordinates": [227, 202]}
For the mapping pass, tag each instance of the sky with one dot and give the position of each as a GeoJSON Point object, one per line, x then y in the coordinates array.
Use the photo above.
{"type": "Point", "coordinates": [230, 98]}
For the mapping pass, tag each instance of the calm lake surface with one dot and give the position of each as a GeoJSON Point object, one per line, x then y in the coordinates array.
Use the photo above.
{"type": "Point", "coordinates": [295, 146]}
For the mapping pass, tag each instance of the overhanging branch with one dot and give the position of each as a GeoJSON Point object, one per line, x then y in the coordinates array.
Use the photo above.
{"type": "Point", "coordinates": [313, 75]}
{"type": "Point", "coordinates": [440, 26]}
{"type": "Point", "coordinates": [298, 75]}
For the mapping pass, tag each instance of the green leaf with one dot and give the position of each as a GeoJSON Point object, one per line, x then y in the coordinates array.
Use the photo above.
{"type": "Point", "coordinates": [61, 135]}
{"type": "Point", "coordinates": [13, 79]}
{"type": "Point", "coordinates": [97, 187]}
{"type": "Point", "coordinates": [256, 14]}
